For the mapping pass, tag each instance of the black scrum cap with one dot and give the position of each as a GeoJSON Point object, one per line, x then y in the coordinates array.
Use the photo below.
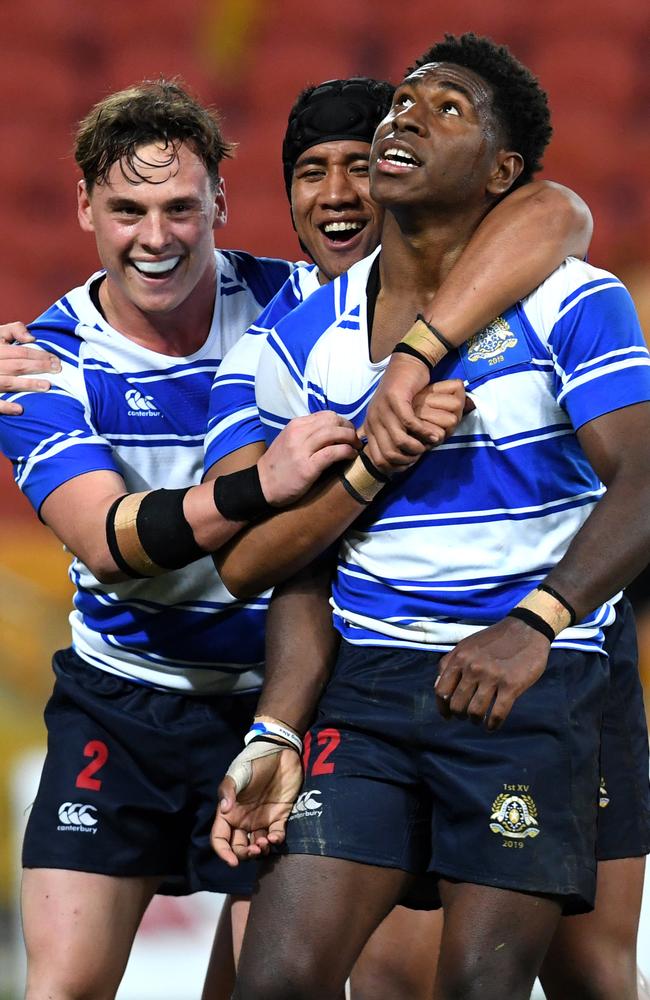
{"type": "Point", "coordinates": [337, 109]}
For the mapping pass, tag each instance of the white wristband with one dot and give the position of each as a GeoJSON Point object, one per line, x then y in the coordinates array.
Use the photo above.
{"type": "Point", "coordinates": [274, 728]}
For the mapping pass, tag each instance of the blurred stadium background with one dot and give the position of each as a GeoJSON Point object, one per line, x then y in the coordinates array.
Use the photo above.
{"type": "Point", "coordinates": [251, 58]}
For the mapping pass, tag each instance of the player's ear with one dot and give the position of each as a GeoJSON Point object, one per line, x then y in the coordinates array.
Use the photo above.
{"type": "Point", "coordinates": [508, 166]}
{"type": "Point", "coordinates": [220, 206]}
{"type": "Point", "coordinates": [84, 208]}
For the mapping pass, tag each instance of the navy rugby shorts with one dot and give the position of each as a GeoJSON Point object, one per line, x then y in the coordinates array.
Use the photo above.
{"type": "Point", "coordinates": [389, 782]}
{"type": "Point", "coordinates": [129, 785]}
{"type": "Point", "coordinates": [624, 799]}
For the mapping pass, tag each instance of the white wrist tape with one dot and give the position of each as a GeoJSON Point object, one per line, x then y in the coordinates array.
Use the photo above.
{"type": "Point", "coordinates": [241, 769]}
{"type": "Point", "coordinates": [273, 728]}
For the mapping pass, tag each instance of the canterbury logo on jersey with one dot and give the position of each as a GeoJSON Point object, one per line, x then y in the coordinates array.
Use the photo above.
{"type": "Point", "coordinates": [77, 816]}
{"type": "Point", "coordinates": [307, 804]}
{"type": "Point", "coordinates": [139, 405]}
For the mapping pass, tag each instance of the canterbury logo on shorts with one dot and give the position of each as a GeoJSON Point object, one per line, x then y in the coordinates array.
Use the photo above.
{"type": "Point", "coordinates": [78, 817]}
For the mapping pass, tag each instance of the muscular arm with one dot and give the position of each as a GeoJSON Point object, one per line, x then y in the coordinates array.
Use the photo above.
{"type": "Point", "coordinates": [301, 646]}
{"type": "Point", "coordinates": [274, 550]}
{"type": "Point", "coordinates": [498, 664]}
{"type": "Point", "coordinates": [613, 545]}
{"type": "Point", "coordinates": [517, 245]}
{"type": "Point", "coordinates": [78, 510]}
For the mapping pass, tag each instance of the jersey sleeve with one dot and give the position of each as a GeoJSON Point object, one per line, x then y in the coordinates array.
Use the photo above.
{"type": "Point", "coordinates": [54, 439]}
{"type": "Point", "coordinates": [280, 388]}
{"type": "Point", "coordinates": [233, 417]}
{"type": "Point", "coordinates": [284, 386]}
{"type": "Point", "coordinates": [588, 321]}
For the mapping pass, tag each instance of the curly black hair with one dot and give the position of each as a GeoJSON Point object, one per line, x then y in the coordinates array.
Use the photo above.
{"type": "Point", "coordinates": [152, 111]}
{"type": "Point", "coordinates": [519, 103]}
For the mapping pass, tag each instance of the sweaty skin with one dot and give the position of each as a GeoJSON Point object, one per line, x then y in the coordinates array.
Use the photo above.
{"type": "Point", "coordinates": [314, 531]}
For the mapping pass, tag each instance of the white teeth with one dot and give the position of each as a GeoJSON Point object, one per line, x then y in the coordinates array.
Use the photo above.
{"type": "Point", "coordinates": [156, 266]}
{"type": "Point", "coordinates": [341, 227]}
{"type": "Point", "coordinates": [400, 156]}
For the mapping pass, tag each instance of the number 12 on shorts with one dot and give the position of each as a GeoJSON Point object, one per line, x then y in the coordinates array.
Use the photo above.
{"type": "Point", "coordinates": [328, 740]}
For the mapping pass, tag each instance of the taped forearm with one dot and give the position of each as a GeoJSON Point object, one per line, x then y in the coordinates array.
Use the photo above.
{"type": "Point", "coordinates": [148, 534]}
{"type": "Point", "coordinates": [269, 553]}
{"type": "Point", "coordinates": [424, 342]}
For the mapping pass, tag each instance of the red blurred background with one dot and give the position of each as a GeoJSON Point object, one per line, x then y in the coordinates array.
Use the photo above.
{"type": "Point", "coordinates": [251, 58]}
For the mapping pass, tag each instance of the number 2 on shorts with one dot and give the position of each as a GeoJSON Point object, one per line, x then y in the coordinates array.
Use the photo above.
{"type": "Point", "coordinates": [98, 750]}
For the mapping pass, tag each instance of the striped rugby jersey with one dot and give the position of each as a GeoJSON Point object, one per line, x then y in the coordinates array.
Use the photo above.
{"type": "Point", "coordinates": [452, 545]}
{"type": "Point", "coordinates": [119, 406]}
{"type": "Point", "coordinates": [233, 417]}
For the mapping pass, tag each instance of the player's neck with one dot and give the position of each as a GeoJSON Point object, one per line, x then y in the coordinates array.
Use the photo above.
{"type": "Point", "coordinates": [415, 259]}
{"type": "Point", "coordinates": [179, 332]}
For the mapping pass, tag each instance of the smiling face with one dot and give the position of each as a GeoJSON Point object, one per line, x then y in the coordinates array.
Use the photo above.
{"type": "Point", "coordinates": [336, 220]}
{"type": "Point", "coordinates": [440, 145]}
{"type": "Point", "coordinates": [155, 237]}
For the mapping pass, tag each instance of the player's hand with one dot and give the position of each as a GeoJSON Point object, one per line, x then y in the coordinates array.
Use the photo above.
{"type": "Point", "coordinates": [18, 361]}
{"type": "Point", "coordinates": [252, 817]}
{"type": "Point", "coordinates": [484, 675]}
{"type": "Point", "coordinates": [396, 426]}
{"type": "Point", "coordinates": [440, 406]}
{"type": "Point", "coordinates": [302, 452]}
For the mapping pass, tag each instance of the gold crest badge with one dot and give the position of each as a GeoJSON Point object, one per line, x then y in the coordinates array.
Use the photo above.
{"type": "Point", "coordinates": [603, 796]}
{"type": "Point", "coordinates": [514, 816]}
{"type": "Point", "coordinates": [491, 342]}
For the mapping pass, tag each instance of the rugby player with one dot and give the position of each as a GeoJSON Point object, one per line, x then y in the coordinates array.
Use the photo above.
{"type": "Point", "coordinates": [346, 160]}
{"type": "Point", "coordinates": [163, 674]}
{"type": "Point", "coordinates": [357, 169]}
{"type": "Point", "coordinates": [326, 181]}
{"type": "Point", "coordinates": [461, 99]}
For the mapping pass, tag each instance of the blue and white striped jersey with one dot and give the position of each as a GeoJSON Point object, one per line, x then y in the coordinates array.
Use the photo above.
{"type": "Point", "coordinates": [233, 418]}
{"type": "Point", "coordinates": [454, 544]}
{"type": "Point", "coordinates": [119, 406]}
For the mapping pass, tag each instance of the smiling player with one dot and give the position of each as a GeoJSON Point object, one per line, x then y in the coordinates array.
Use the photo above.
{"type": "Point", "coordinates": [488, 121]}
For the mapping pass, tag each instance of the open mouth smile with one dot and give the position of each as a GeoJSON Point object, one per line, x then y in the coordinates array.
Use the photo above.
{"type": "Point", "coordinates": [156, 268]}
{"type": "Point", "coordinates": [342, 233]}
{"type": "Point", "coordinates": [396, 158]}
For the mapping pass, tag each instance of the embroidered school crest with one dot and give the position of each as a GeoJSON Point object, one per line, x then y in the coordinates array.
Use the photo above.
{"type": "Point", "coordinates": [491, 342]}
{"type": "Point", "coordinates": [514, 816]}
{"type": "Point", "coordinates": [603, 797]}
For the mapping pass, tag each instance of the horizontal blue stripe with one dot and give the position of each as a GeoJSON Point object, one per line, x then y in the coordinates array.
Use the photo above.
{"type": "Point", "coordinates": [232, 377]}
{"type": "Point", "coordinates": [366, 637]}
{"type": "Point", "coordinates": [379, 600]}
{"type": "Point", "coordinates": [236, 635]}
{"type": "Point", "coordinates": [133, 440]}
{"type": "Point", "coordinates": [209, 366]}
{"type": "Point", "coordinates": [93, 601]}
{"type": "Point", "coordinates": [489, 581]}
{"type": "Point", "coordinates": [483, 517]}
{"type": "Point", "coordinates": [239, 435]}
{"type": "Point", "coordinates": [269, 418]}
{"type": "Point", "coordinates": [585, 288]}
{"type": "Point", "coordinates": [455, 481]}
